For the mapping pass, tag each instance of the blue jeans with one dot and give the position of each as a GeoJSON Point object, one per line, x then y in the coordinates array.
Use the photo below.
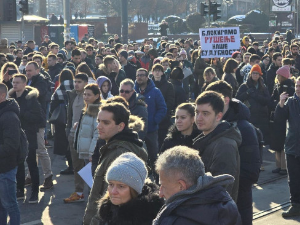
{"type": "Point", "coordinates": [8, 199]}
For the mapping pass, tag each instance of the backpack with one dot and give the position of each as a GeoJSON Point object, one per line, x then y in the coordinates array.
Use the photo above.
{"type": "Point", "coordinates": [23, 148]}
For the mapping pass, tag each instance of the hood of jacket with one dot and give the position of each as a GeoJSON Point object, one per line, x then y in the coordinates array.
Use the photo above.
{"type": "Point", "coordinates": [103, 68]}
{"type": "Point", "coordinates": [10, 105]}
{"type": "Point", "coordinates": [136, 99]}
{"type": "Point", "coordinates": [136, 123]}
{"type": "Point", "coordinates": [141, 209]}
{"type": "Point", "coordinates": [101, 80]}
{"type": "Point", "coordinates": [207, 191]}
{"type": "Point", "coordinates": [150, 86]}
{"type": "Point", "coordinates": [237, 111]}
{"type": "Point", "coordinates": [224, 129]}
{"type": "Point", "coordinates": [153, 52]}
{"type": "Point", "coordinates": [92, 110]}
{"type": "Point", "coordinates": [174, 133]}
{"type": "Point", "coordinates": [29, 92]}
{"type": "Point", "coordinates": [128, 135]}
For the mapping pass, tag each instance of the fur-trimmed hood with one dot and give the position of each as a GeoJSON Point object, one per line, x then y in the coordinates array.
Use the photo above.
{"type": "Point", "coordinates": [92, 110]}
{"type": "Point", "coordinates": [104, 69]}
{"type": "Point", "coordinates": [136, 123]}
{"type": "Point", "coordinates": [139, 211]}
{"type": "Point", "coordinates": [31, 92]}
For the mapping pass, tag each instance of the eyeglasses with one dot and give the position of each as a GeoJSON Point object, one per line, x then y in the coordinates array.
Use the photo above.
{"type": "Point", "coordinates": [246, 39]}
{"type": "Point", "coordinates": [125, 91]}
{"type": "Point", "coordinates": [140, 75]}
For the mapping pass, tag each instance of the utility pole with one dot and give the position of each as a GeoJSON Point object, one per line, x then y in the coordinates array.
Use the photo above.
{"type": "Point", "coordinates": [67, 18]}
{"type": "Point", "coordinates": [124, 21]}
{"type": "Point", "coordinates": [209, 10]}
{"type": "Point", "coordinates": [297, 17]}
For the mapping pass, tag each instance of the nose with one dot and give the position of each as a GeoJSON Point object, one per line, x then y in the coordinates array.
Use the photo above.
{"type": "Point", "coordinates": [114, 190]}
{"type": "Point", "coordinates": [161, 195]}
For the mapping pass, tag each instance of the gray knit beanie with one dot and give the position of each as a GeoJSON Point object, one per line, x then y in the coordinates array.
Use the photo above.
{"type": "Point", "coordinates": [128, 169]}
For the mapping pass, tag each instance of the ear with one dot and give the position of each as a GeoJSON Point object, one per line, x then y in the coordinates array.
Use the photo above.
{"type": "Point", "coordinates": [226, 100]}
{"type": "Point", "coordinates": [121, 126]}
{"type": "Point", "coordinates": [182, 185]}
{"type": "Point", "coordinates": [219, 116]}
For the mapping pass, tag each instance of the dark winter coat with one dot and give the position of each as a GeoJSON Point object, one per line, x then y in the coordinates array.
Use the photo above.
{"type": "Point", "coordinates": [125, 141]}
{"type": "Point", "coordinates": [168, 92]}
{"type": "Point", "coordinates": [238, 75]}
{"type": "Point", "coordinates": [290, 112]}
{"type": "Point", "coordinates": [219, 153]}
{"type": "Point", "coordinates": [199, 68]}
{"type": "Point", "coordinates": [139, 211]}
{"type": "Point", "coordinates": [264, 70]}
{"type": "Point", "coordinates": [180, 95]}
{"type": "Point", "coordinates": [156, 105]}
{"type": "Point", "coordinates": [130, 71]}
{"type": "Point", "coordinates": [54, 70]}
{"type": "Point", "coordinates": [208, 83]}
{"type": "Point", "coordinates": [278, 128]}
{"type": "Point", "coordinates": [138, 107]}
{"type": "Point", "coordinates": [205, 203]}
{"type": "Point", "coordinates": [271, 75]}
{"type": "Point", "coordinates": [9, 135]}
{"type": "Point", "coordinates": [230, 79]}
{"type": "Point", "coordinates": [249, 148]}
{"type": "Point", "coordinates": [39, 82]}
{"type": "Point", "coordinates": [31, 114]}
{"type": "Point", "coordinates": [257, 100]}
{"type": "Point", "coordinates": [175, 138]}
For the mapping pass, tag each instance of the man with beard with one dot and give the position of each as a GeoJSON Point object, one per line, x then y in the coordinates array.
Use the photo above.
{"type": "Point", "coordinates": [295, 55]}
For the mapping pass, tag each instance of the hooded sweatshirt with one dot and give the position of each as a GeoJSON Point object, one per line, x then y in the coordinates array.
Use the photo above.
{"type": "Point", "coordinates": [206, 202]}
{"type": "Point", "coordinates": [100, 81]}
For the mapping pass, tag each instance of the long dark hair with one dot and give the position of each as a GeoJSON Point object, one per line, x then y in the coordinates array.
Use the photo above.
{"type": "Point", "coordinates": [66, 74]}
{"type": "Point", "coordinates": [260, 82]}
{"type": "Point", "coordinates": [84, 68]}
{"type": "Point", "coordinates": [230, 65]}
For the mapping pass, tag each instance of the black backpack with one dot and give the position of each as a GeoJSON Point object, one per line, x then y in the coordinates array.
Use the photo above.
{"type": "Point", "coordinates": [23, 148]}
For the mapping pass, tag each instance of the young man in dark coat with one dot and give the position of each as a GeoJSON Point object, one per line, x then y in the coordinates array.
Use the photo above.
{"type": "Point", "coordinates": [236, 111]}
{"type": "Point", "coordinates": [38, 81]}
{"type": "Point", "coordinates": [30, 117]}
{"type": "Point", "coordinates": [218, 143]}
{"type": "Point", "coordinates": [288, 110]}
{"type": "Point", "coordinates": [130, 69]}
{"type": "Point", "coordinates": [9, 151]}
{"type": "Point", "coordinates": [192, 196]}
{"type": "Point", "coordinates": [271, 73]}
{"type": "Point", "coordinates": [113, 128]}
{"type": "Point", "coordinates": [167, 90]}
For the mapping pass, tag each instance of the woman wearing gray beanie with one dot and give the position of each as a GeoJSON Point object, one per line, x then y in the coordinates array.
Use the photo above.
{"type": "Point", "coordinates": [129, 199]}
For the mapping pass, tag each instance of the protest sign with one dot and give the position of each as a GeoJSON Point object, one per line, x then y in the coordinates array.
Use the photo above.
{"type": "Point", "coordinates": [219, 42]}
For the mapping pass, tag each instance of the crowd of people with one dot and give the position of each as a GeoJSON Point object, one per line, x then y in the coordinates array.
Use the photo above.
{"type": "Point", "coordinates": [173, 138]}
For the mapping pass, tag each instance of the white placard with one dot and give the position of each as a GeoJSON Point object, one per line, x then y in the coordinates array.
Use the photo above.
{"type": "Point", "coordinates": [219, 42]}
{"type": "Point", "coordinates": [86, 174]}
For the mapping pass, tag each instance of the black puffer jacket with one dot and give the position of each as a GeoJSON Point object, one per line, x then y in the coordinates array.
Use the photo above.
{"type": "Point", "coordinates": [9, 135]}
{"type": "Point", "coordinates": [175, 138]}
{"type": "Point", "coordinates": [271, 75]}
{"type": "Point", "coordinates": [139, 211]}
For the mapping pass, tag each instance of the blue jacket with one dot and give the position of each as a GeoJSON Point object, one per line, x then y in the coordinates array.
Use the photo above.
{"type": "Point", "coordinates": [156, 105]}
{"type": "Point", "coordinates": [290, 112]}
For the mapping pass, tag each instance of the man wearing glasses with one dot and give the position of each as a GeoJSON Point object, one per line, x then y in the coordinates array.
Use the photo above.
{"type": "Point", "coordinates": [137, 105]}
{"type": "Point", "coordinates": [157, 110]}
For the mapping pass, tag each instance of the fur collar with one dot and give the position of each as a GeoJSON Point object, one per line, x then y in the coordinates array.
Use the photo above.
{"type": "Point", "coordinates": [92, 110]}
{"type": "Point", "coordinates": [31, 92]}
{"type": "Point", "coordinates": [139, 211]}
{"type": "Point", "coordinates": [136, 123]}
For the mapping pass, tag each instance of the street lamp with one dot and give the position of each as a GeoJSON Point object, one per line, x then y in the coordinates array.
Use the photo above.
{"type": "Point", "coordinates": [228, 2]}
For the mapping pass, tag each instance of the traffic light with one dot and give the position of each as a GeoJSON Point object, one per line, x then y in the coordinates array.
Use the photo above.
{"type": "Point", "coordinates": [214, 10]}
{"type": "Point", "coordinates": [24, 6]}
{"type": "Point", "coordinates": [204, 9]}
